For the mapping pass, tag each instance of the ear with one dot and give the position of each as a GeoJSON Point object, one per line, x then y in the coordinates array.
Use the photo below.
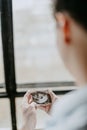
{"type": "Point", "coordinates": [64, 24]}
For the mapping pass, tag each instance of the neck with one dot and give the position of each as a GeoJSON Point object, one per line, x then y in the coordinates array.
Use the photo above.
{"type": "Point", "coordinates": [82, 83]}
{"type": "Point", "coordinates": [82, 75]}
{"type": "Point", "coordinates": [82, 70]}
{"type": "Point", "coordinates": [80, 64]}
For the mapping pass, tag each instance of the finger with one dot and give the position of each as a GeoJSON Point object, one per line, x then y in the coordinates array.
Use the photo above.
{"type": "Point", "coordinates": [47, 108]}
{"type": "Point", "coordinates": [33, 106]}
{"type": "Point", "coordinates": [52, 94]}
{"type": "Point", "coordinates": [30, 109]}
{"type": "Point", "coordinates": [25, 100]}
{"type": "Point", "coordinates": [27, 93]}
{"type": "Point", "coordinates": [49, 91]}
{"type": "Point", "coordinates": [44, 107]}
{"type": "Point", "coordinates": [27, 97]}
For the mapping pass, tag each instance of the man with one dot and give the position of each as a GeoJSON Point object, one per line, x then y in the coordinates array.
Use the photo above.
{"type": "Point", "coordinates": [70, 113]}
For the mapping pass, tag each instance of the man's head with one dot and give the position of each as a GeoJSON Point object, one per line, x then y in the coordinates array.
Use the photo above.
{"type": "Point", "coordinates": [71, 18]}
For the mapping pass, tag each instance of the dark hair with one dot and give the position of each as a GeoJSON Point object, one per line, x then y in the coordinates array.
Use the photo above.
{"type": "Point", "coordinates": [77, 9]}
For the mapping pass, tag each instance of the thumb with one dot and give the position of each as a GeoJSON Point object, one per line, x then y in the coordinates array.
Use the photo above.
{"type": "Point", "coordinates": [32, 106]}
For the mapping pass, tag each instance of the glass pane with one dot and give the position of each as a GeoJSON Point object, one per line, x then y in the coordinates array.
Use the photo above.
{"type": "Point", "coordinates": [1, 62]}
{"type": "Point", "coordinates": [5, 120]}
{"type": "Point", "coordinates": [37, 58]}
{"type": "Point", "coordinates": [19, 112]}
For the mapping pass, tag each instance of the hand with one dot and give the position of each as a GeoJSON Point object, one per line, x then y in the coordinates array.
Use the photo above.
{"type": "Point", "coordinates": [48, 106]}
{"type": "Point", "coordinates": [29, 112]}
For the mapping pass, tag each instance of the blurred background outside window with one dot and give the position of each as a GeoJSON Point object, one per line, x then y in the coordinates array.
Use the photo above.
{"type": "Point", "coordinates": [37, 58]}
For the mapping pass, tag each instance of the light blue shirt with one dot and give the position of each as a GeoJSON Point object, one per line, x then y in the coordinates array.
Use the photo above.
{"type": "Point", "coordinates": [70, 113]}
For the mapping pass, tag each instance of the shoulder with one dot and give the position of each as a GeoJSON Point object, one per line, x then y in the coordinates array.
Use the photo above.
{"type": "Point", "coordinates": [70, 112]}
{"type": "Point", "coordinates": [71, 101]}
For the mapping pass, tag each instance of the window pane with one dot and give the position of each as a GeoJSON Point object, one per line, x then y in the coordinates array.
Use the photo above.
{"type": "Point", "coordinates": [5, 120]}
{"type": "Point", "coordinates": [1, 62]}
{"type": "Point", "coordinates": [37, 59]}
{"type": "Point", "coordinates": [19, 112]}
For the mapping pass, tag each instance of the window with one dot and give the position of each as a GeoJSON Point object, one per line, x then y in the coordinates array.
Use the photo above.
{"type": "Point", "coordinates": [35, 58]}
{"type": "Point", "coordinates": [5, 118]}
{"type": "Point", "coordinates": [1, 63]}
{"type": "Point", "coordinates": [36, 54]}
